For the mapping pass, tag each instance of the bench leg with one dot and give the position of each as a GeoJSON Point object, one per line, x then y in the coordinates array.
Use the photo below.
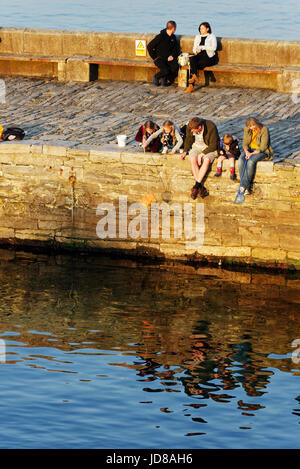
{"type": "Point", "coordinates": [182, 78]}
{"type": "Point", "coordinates": [77, 70]}
{"type": "Point", "coordinates": [61, 71]}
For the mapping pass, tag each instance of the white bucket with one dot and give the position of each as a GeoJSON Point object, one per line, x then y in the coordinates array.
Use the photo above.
{"type": "Point", "coordinates": [121, 140]}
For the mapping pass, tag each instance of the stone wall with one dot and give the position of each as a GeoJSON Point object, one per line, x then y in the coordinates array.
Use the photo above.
{"type": "Point", "coordinates": [49, 197]}
{"type": "Point", "coordinates": [283, 56]}
{"type": "Point", "coordinates": [122, 46]}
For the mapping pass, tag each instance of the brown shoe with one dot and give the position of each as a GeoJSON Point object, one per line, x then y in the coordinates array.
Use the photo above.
{"type": "Point", "coordinates": [189, 89]}
{"type": "Point", "coordinates": [203, 192]}
{"type": "Point", "coordinates": [195, 192]}
{"type": "Point", "coordinates": [194, 79]}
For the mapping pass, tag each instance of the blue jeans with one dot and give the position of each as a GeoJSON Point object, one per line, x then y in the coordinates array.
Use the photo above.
{"type": "Point", "coordinates": [249, 173]}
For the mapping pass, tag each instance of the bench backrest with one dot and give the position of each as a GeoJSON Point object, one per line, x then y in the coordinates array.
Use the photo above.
{"type": "Point", "coordinates": [123, 46]}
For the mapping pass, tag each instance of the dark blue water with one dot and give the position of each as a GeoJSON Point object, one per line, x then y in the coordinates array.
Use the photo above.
{"type": "Point", "coordinates": [271, 19]}
{"type": "Point", "coordinates": [101, 353]}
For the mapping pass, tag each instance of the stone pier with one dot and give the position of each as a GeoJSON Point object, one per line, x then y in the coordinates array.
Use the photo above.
{"type": "Point", "coordinates": [52, 183]}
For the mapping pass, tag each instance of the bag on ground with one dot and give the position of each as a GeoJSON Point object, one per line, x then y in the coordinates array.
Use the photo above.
{"type": "Point", "coordinates": [13, 133]}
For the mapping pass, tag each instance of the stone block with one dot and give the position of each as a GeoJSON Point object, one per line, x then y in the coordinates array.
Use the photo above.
{"type": "Point", "coordinates": [290, 239]}
{"type": "Point", "coordinates": [100, 177]}
{"type": "Point", "coordinates": [54, 150]}
{"type": "Point", "coordinates": [104, 157]}
{"type": "Point", "coordinates": [12, 41]}
{"type": "Point", "coordinates": [100, 44]}
{"type": "Point", "coordinates": [43, 42]}
{"type": "Point", "coordinates": [39, 235]}
{"type": "Point", "coordinates": [80, 155]}
{"type": "Point", "coordinates": [12, 170]}
{"type": "Point", "coordinates": [111, 244]}
{"type": "Point", "coordinates": [16, 147]}
{"type": "Point", "coordinates": [222, 223]}
{"type": "Point", "coordinates": [6, 233]}
{"type": "Point", "coordinates": [142, 159]}
{"type": "Point", "coordinates": [265, 168]}
{"type": "Point", "coordinates": [291, 254]}
{"type": "Point", "coordinates": [61, 71]}
{"type": "Point", "coordinates": [76, 43]}
{"type": "Point", "coordinates": [221, 251]}
{"type": "Point", "coordinates": [288, 81]}
{"type": "Point", "coordinates": [182, 78]}
{"type": "Point", "coordinates": [18, 222]}
{"type": "Point", "coordinates": [77, 70]}
{"type": "Point", "coordinates": [232, 239]}
{"type": "Point", "coordinates": [268, 254]}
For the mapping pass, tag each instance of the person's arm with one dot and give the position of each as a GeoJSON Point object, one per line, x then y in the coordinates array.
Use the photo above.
{"type": "Point", "coordinates": [212, 139]}
{"type": "Point", "coordinates": [235, 149]}
{"type": "Point", "coordinates": [152, 137]}
{"type": "Point", "coordinates": [175, 48]}
{"type": "Point", "coordinates": [189, 140]}
{"type": "Point", "coordinates": [196, 44]}
{"type": "Point", "coordinates": [264, 140]}
{"type": "Point", "coordinates": [179, 141]}
{"type": "Point", "coordinates": [152, 46]}
{"type": "Point", "coordinates": [246, 141]}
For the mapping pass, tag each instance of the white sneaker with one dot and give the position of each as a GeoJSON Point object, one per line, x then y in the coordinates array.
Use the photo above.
{"type": "Point", "coordinates": [247, 192]}
{"type": "Point", "coordinates": [242, 190]}
{"type": "Point", "coordinates": [165, 150]}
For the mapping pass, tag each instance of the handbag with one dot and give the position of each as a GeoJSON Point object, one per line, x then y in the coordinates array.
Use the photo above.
{"type": "Point", "coordinates": [13, 133]}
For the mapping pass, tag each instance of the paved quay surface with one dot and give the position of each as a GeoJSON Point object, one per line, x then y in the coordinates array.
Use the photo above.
{"type": "Point", "coordinates": [79, 114]}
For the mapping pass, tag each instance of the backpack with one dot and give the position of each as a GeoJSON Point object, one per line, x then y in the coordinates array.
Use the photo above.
{"type": "Point", "coordinates": [13, 133]}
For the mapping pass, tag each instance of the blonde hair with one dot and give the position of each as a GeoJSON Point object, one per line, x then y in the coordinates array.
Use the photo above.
{"type": "Point", "coordinates": [253, 121]}
{"type": "Point", "coordinates": [227, 139]}
{"type": "Point", "coordinates": [169, 125]}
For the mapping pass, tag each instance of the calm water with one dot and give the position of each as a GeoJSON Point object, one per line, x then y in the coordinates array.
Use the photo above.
{"type": "Point", "coordinates": [270, 19]}
{"type": "Point", "coordinates": [99, 353]}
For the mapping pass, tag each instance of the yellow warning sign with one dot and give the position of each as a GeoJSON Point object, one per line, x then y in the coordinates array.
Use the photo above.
{"type": "Point", "coordinates": [140, 48]}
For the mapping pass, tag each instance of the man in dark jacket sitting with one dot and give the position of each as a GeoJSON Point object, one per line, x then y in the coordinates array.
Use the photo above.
{"type": "Point", "coordinates": [202, 144]}
{"type": "Point", "coordinates": [164, 50]}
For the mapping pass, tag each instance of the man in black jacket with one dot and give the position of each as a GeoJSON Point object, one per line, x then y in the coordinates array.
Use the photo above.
{"type": "Point", "coordinates": [164, 50]}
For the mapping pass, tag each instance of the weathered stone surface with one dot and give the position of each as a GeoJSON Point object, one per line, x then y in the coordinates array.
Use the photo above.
{"type": "Point", "coordinates": [52, 183]}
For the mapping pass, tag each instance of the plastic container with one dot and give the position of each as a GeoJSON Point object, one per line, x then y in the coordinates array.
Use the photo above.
{"type": "Point", "coordinates": [121, 140]}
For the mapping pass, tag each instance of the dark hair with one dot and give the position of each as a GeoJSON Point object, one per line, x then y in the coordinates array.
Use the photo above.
{"type": "Point", "coordinates": [150, 125]}
{"type": "Point", "coordinates": [171, 24]}
{"type": "Point", "coordinates": [195, 123]}
{"type": "Point", "coordinates": [207, 25]}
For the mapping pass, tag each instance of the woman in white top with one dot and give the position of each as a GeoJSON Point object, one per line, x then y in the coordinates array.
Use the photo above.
{"type": "Point", "coordinates": [205, 46]}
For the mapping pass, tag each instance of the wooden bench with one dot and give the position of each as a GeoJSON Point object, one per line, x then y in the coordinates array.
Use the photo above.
{"type": "Point", "coordinates": [228, 68]}
{"type": "Point", "coordinates": [183, 74]}
{"type": "Point", "coordinates": [11, 64]}
{"type": "Point", "coordinates": [87, 68]}
{"type": "Point", "coordinates": [134, 68]}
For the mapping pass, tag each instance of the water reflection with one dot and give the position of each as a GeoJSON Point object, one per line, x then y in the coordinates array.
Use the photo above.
{"type": "Point", "coordinates": [205, 336]}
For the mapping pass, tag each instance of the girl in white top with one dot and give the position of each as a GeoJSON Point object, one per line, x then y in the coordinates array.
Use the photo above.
{"type": "Point", "coordinates": [205, 46]}
{"type": "Point", "coordinates": [170, 137]}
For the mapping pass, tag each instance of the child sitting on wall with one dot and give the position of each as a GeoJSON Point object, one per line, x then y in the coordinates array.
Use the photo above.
{"type": "Point", "coordinates": [170, 138]}
{"type": "Point", "coordinates": [229, 149]}
{"type": "Point", "coordinates": [144, 132]}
